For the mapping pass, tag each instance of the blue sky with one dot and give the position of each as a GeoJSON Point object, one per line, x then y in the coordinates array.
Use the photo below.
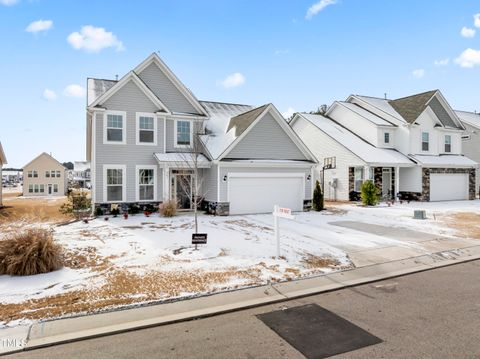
{"type": "Point", "coordinates": [270, 51]}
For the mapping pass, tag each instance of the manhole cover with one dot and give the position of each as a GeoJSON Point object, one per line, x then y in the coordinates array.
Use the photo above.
{"type": "Point", "coordinates": [317, 332]}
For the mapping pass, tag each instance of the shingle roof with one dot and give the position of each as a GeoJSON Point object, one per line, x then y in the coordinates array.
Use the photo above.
{"type": "Point", "coordinates": [243, 121]}
{"type": "Point", "coordinates": [411, 107]}
{"type": "Point", "coordinates": [97, 87]}
{"type": "Point", "coordinates": [470, 118]}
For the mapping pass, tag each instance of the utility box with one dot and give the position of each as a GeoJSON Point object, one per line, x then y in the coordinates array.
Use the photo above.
{"type": "Point", "coordinates": [419, 214]}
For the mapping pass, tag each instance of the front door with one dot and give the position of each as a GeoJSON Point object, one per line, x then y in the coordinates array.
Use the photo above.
{"type": "Point", "coordinates": [49, 189]}
{"type": "Point", "coordinates": [387, 183]}
{"type": "Point", "coordinates": [182, 189]}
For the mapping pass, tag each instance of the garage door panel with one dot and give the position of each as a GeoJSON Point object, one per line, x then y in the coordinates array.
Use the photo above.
{"type": "Point", "coordinates": [449, 186]}
{"type": "Point", "coordinates": [260, 194]}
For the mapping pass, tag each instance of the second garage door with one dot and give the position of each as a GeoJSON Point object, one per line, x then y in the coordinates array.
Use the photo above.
{"type": "Point", "coordinates": [448, 186]}
{"type": "Point", "coordinates": [258, 193]}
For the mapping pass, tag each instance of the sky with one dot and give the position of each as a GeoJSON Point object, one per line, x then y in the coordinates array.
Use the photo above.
{"type": "Point", "coordinates": [296, 54]}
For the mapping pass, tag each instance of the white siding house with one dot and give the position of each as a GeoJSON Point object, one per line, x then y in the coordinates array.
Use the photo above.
{"type": "Point", "coordinates": [44, 176]}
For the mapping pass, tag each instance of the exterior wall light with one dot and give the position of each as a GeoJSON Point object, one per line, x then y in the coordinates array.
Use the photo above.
{"type": "Point", "coordinates": [309, 177]}
{"type": "Point", "coordinates": [225, 178]}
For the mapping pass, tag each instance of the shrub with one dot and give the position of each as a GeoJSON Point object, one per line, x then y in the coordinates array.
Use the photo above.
{"type": "Point", "coordinates": [317, 202]}
{"type": "Point", "coordinates": [31, 252]}
{"type": "Point", "coordinates": [78, 204]}
{"type": "Point", "coordinates": [369, 193]}
{"type": "Point", "coordinates": [99, 211]}
{"type": "Point", "coordinates": [150, 208]}
{"type": "Point", "coordinates": [133, 208]}
{"type": "Point", "coordinates": [168, 209]}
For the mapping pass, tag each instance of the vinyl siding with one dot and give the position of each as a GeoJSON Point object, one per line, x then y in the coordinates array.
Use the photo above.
{"type": "Point", "coordinates": [471, 149]}
{"type": "Point", "coordinates": [441, 113]}
{"type": "Point", "coordinates": [267, 140]}
{"type": "Point", "coordinates": [210, 183]}
{"type": "Point", "coordinates": [323, 146]}
{"type": "Point", "coordinates": [41, 165]}
{"type": "Point", "coordinates": [197, 126]}
{"type": "Point", "coordinates": [165, 90]}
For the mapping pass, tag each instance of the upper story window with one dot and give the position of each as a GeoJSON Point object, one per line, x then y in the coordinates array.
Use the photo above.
{"type": "Point", "coordinates": [386, 137]}
{"type": "Point", "coordinates": [146, 129]}
{"type": "Point", "coordinates": [59, 174]}
{"type": "Point", "coordinates": [448, 143]}
{"type": "Point", "coordinates": [183, 133]}
{"type": "Point", "coordinates": [114, 127]}
{"type": "Point", "coordinates": [47, 174]}
{"type": "Point", "coordinates": [425, 141]}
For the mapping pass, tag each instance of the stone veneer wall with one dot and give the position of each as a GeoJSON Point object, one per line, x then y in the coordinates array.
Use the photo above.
{"type": "Point", "coordinates": [351, 179]}
{"type": "Point", "coordinates": [426, 180]}
{"type": "Point", "coordinates": [378, 179]}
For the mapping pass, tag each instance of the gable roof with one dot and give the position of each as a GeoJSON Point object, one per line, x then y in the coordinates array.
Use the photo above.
{"type": "Point", "coordinates": [97, 87]}
{"type": "Point", "coordinates": [356, 145]}
{"type": "Point", "coordinates": [3, 158]}
{"type": "Point", "coordinates": [411, 107]}
{"type": "Point", "coordinates": [470, 118]}
{"type": "Point", "coordinates": [241, 122]}
{"type": "Point", "coordinates": [40, 155]}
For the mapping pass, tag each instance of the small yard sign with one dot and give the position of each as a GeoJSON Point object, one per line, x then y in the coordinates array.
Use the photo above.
{"type": "Point", "coordinates": [283, 213]}
{"type": "Point", "coordinates": [199, 238]}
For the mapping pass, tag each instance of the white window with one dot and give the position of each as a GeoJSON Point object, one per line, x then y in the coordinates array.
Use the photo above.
{"type": "Point", "coordinates": [47, 174]}
{"type": "Point", "coordinates": [146, 183]}
{"type": "Point", "coordinates": [30, 188]}
{"type": "Point", "coordinates": [55, 188]}
{"type": "Point", "coordinates": [114, 177]}
{"type": "Point", "coordinates": [183, 133]}
{"type": "Point", "coordinates": [30, 174]}
{"type": "Point", "coordinates": [146, 129]}
{"type": "Point", "coordinates": [359, 177]}
{"type": "Point", "coordinates": [52, 174]}
{"type": "Point", "coordinates": [386, 137]}
{"type": "Point", "coordinates": [42, 188]}
{"type": "Point", "coordinates": [35, 188]}
{"type": "Point", "coordinates": [114, 126]}
{"type": "Point", "coordinates": [425, 141]}
{"type": "Point", "coordinates": [58, 174]}
{"type": "Point", "coordinates": [448, 143]}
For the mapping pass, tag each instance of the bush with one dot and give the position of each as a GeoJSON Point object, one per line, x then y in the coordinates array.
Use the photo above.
{"type": "Point", "coordinates": [78, 204]}
{"type": "Point", "coordinates": [133, 208]}
{"type": "Point", "coordinates": [31, 252]}
{"type": "Point", "coordinates": [168, 209]}
{"type": "Point", "coordinates": [317, 202]}
{"type": "Point", "coordinates": [150, 208]}
{"type": "Point", "coordinates": [369, 193]}
{"type": "Point", "coordinates": [99, 212]}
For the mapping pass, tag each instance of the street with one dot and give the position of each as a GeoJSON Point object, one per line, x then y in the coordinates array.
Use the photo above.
{"type": "Point", "coordinates": [433, 314]}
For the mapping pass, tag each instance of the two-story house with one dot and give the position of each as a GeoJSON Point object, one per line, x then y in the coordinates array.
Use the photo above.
{"type": "Point", "coordinates": [147, 135]}
{"type": "Point", "coordinates": [409, 147]}
{"type": "Point", "coordinates": [44, 176]}
{"type": "Point", "coordinates": [3, 161]}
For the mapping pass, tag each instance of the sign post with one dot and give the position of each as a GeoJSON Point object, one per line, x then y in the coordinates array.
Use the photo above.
{"type": "Point", "coordinates": [199, 238]}
{"type": "Point", "coordinates": [277, 213]}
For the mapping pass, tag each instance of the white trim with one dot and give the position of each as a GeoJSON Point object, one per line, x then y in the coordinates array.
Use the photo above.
{"type": "Point", "coordinates": [155, 182]}
{"type": "Point", "coordinates": [164, 134]}
{"type": "Point", "coordinates": [449, 110]}
{"type": "Point", "coordinates": [93, 159]}
{"type": "Point", "coordinates": [253, 163]}
{"type": "Point", "coordinates": [124, 182]}
{"type": "Point", "coordinates": [124, 127]}
{"type": "Point", "coordinates": [175, 144]}
{"type": "Point", "coordinates": [137, 128]}
{"type": "Point", "coordinates": [218, 182]}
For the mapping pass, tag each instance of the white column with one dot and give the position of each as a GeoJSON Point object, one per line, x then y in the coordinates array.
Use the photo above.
{"type": "Point", "coordinates": [397, 181]}
{"type": "Point", "coordinates": [166, 183]}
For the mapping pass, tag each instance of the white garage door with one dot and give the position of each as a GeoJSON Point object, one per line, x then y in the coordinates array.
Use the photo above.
{"type": "Point", "coordinates": [258, 193]}
{"type": "Point", "coordinates": [448, 186]}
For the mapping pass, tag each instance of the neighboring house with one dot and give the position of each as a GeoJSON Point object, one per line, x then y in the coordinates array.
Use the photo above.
{"type": "Point", "coordinates": [3, 161]}
{"type": "Point", "coordinates": [44, 176]}
{"type": "Point", "coordinates": [11, 176]}
{"type": "Point", "coordinates": [143, 129]}
{"type": "Point", "coordinates": [471, 138]}
{"type": "Point", "coordinates": [80, 175]}
{"type": "Point", "coordinates": [409, 147]}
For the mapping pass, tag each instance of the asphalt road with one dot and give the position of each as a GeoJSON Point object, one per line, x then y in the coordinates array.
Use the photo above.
{"type": "Point", "coordinates": [434, 314]}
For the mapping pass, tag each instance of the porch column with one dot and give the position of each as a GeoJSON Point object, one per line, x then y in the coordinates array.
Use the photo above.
{"type": "Point", "coordinates": [366, 173]}
{"type": "Point", "coordinates": [397, 182]}
{"type": "Point", "coordinates": [166, 183]}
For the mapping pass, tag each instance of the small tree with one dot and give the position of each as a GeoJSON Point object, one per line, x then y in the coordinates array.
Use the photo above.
{"type": "Point", "coordinates": [318, 202]}
{"type": "Point", "coordinates": [78, 204]}
{"type": "Point", "coordinates": [369, 193]}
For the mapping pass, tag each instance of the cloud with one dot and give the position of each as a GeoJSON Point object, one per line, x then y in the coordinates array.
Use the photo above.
{"type": "Point", "coordinates": [476, 20]}
{"type": "Point", "coordinates": [442, 62]}
{"type": "Point", "coordinates": [74, 90]}
{"type": "Point", "coordinates": [289, 113]}
{"type": "Point", "coordinates": [467, 32]}
{"type": "Point", "coordinates": [282, 52]}
{"type": "Point", "coordinates": [418, 73]}
{"type": "Point", "coordinates": [317, 7]}
{"type": "Point", "coordinates": [38, 26]}
{"type": "Point", "coordinates": [49, 95]}
{"type": "Point", "coordinates": [9, 2]}
{"type": "Point", "coordinates": [94, 39]}
{"type": "Point", "coordinates": [234, 80]}
{"type": "Point", "coordinates": [468, 58]}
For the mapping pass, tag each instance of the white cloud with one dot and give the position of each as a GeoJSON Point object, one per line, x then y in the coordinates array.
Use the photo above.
{"type": "Point", "coordinates": [233, 80]}
{"type": "Point", "coordinates": [468, 58]}
{"type": "Point", "coordinates": [9, 2]}
{"type": "Point", "coordinates": [49, 95]}
{"type": "Point", "coordinates": [467, 32]}
{"type": "Point", "coordinates": [74, 91]}
{"type": "Point", "coordinates": [38, 26]}
{"type": "Point", "coordinates": [442, 62]}
{"type": "Point", "coordinates": [94, 39]}
{"type": "Point", "coordinates": [476, 20]}
{"type": "Point", "coordinates": [287, 114]}
{"type": "Point", "coordinates": [418, 73]}
{"type": "Point", "coordinates": [317, 7]}
{"type": "Point", "coordinates": [282, 52]}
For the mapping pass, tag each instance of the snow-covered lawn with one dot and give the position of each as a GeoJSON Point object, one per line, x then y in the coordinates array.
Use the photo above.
{"type": "Point", "coordinates": [120, 262]}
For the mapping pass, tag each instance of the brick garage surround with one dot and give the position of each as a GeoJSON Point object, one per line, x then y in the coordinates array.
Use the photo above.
{"type": "Point", "coordinates": [426, 180]}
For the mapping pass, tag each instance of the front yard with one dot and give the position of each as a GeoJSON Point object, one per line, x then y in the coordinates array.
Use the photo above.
{"type": "Point", "coordinates": [118, 263]}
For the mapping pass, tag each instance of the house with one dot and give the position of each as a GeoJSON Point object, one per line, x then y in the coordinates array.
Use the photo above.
{"type": "Point", "coordinates": [409, 147]}
{"type": "Point", "coordinates": [44, 176]}
{"type": "Point", "coordinates": [3, 161]}
{"type": "Point", "coordinates": [471, 139]}
{"type": "Point", "coordinates": [147, 135]}
{"type": "Point", "coordinates": [80, 175]}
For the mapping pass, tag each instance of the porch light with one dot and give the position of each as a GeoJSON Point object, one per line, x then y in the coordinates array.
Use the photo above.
{"type": "Point", "coordinates": [309, 177]}
{"type": "Point", "coordinates": [225, 178]}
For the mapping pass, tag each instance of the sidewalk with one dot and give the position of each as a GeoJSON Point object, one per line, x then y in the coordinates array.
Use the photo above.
{"type": "Point", "coordinates": [71, 329]}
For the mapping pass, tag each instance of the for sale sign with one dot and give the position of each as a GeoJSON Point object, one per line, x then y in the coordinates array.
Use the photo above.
{"type": "Point", "coordinates": [199, 238]}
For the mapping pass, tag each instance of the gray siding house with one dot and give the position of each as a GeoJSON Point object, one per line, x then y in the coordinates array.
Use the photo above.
{"type": "Point", "coordinates": [147, 134]}
{"type": "Point", "coordinates": [471, 139]}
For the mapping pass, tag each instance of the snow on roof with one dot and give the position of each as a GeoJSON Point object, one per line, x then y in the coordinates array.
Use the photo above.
{"type": "Point", "coordinates": [364, 150]}
{"type": "Point", "coordinates": [97, 87]}
{"type": "Point", "coordinates": [469, 118]}
{"type": "Point", "coordinates": [382, 105]}
{"type": "Point", "coordinates": [444, 160]}
{"type": "Point", "coordinates": [218, 136]}
{"type": "Point", "coordinates": [366, 114]}
{"type": "Point", "coordinates": [181, 157]}
{"type": "Point", "coordinates": [81, 165]}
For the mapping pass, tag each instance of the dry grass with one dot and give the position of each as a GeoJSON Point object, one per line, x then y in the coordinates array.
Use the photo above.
{"type": "Point", "coordinates": [32, 209]}
{"type": "Point", "coordinates": [168, 209]}
{"type": "Point", "coordinates": [30, 252]}
{"type": "Point", "coordinates": [315, 262]}
{"type": "Point", "coordinates": [467, 224]}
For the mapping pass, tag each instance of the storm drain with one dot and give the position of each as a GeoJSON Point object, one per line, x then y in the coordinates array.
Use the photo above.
{"type": "Point", "coordinates": [317, 332]}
